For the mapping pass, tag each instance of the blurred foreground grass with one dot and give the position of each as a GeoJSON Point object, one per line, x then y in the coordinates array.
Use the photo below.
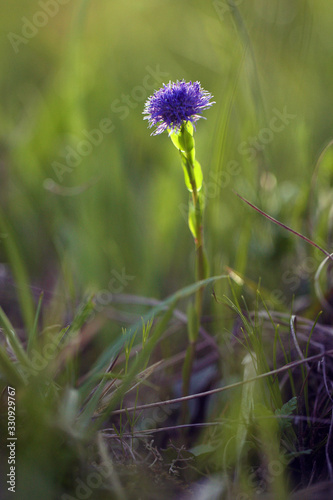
{"type": "Point", "coordinates": [91, 204]}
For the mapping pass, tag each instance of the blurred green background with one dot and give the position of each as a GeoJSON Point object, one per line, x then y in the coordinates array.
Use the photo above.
{"type": "Point", "coordinates": [117, 206]}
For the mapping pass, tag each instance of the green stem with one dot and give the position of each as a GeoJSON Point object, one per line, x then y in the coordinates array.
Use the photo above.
{"type": "Point", "coordinates": [188, 159]}
{"type": "Point", "coordinates": [199, 238]}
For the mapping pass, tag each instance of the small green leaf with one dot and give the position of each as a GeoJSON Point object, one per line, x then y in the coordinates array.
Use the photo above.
{"type": "Point", "coordinates": [192, 171]}
{"type": "Point", "coordinates": [186, 140]}
{"type": "Point", "coordinates": [174, 136]}
{"type": "Point", "coordinates": [189, 128]}
{"type": "Point", "coordinates": [286, 411]}
{"type": "Point", "coordinates": [197, 172]}
{"type": "Point", "coordinates": [183, 139]}
{"type": "Point", "coordinates": [288, 408]}
{"type": "Point", "coordinates": [186, 175]}
{"type": "Point", "coordinates": [192, 222]}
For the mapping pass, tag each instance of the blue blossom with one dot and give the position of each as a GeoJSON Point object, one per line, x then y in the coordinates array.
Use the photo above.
{"type": "Point", "coordinates": [174, 104]}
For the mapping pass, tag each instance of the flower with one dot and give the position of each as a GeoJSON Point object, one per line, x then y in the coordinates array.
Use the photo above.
{"type": "Point", "coordinates": [174, 104]}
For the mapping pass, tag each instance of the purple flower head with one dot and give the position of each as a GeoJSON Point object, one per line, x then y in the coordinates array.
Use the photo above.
{"type": "Point", "coordinates": [174, 104]}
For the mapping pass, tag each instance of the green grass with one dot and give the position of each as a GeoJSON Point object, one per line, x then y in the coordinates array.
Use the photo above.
{"type": "Point", "coordinates": [95, 252]}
